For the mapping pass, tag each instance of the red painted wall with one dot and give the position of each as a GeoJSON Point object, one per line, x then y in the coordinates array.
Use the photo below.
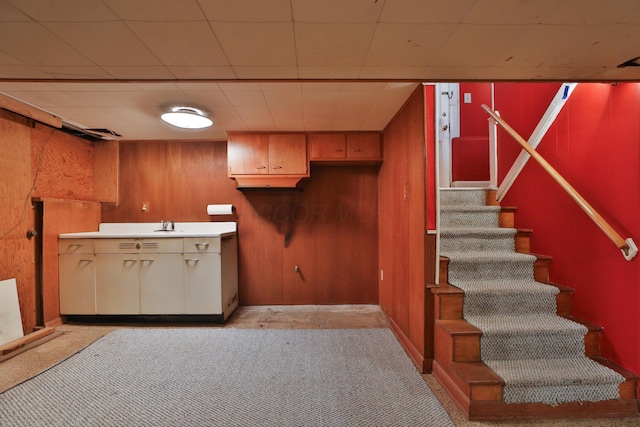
{"type": "Point", "coordinates": [595, 144]}
{"type": "Point", "coordinates": [470, 152]}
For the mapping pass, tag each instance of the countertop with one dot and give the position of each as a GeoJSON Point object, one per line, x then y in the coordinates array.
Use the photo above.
{"type": "Point", "coordinates": [153, 230]}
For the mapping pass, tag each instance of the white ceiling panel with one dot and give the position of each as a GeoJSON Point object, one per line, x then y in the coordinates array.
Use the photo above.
{"type": "Point", "coordinates": [292, 64]}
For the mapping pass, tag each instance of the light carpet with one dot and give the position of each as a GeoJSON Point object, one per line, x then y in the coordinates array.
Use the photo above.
{"type": "Point", "coordinates": [229, 377]}
{"type": "Point", "coordinates": [538, 354]}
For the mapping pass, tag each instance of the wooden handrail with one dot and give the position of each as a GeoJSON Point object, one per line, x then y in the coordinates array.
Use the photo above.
{"type": "Point", "coordinates": [612, 234]}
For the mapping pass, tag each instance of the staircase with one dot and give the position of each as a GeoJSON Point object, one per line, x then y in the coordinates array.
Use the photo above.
{"type": "Point", "coordinates": [506, 345]}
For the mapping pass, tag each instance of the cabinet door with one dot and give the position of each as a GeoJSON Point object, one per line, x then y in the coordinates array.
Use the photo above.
{"type": "Point", "coordinates": [288, 154]}
{"type": "Point", "coordinates": [77, 283]}
{"type": "Point", "coordinates": [202, 286]}
{"type": "Point", "coordinates": [363, 145]}
{"type": "Point", "coordinates": [161, 284]}
{"type": "Point", "coordinates": [248, 154]}
{"type": "Point", "coordinates": [117, 284]}
{"type": "Point", "coordinates": [328, 146]}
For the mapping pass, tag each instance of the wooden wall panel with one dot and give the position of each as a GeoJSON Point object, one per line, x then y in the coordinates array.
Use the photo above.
{"type": "Point", "coordinates": [105, 171]}
{"type": "Point", "coordinates": [37, 161]}
{"type": "Point", "coordinates": [329, 229]}
{"type": "Point", "coordinates": [61, 216]}
{"type": "Point", "coordinates": [402, 256]}
{"type": "Point", "coordinates": [63, 164]}
{"type": "Point", "coordinates": [16, 252]}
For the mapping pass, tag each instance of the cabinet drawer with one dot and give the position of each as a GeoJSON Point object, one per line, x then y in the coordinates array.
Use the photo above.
{"type": "Point", "coordinates": [132, 246]}
{"type": "Point", "coordinates": [202, 244]}
{"type": "Point", "coordinates": [75, 246]}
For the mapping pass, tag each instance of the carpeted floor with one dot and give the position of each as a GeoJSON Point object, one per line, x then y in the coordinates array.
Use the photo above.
{"type": "Point", "coordinates": [229, 377]}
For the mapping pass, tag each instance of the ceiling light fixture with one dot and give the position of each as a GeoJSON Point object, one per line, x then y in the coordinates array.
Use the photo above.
{"type": "Point", "coordinates": [187, 118]}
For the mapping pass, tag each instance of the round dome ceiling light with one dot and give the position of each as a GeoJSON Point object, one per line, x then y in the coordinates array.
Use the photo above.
{"type": "Point", "coordinates": [187, 118]}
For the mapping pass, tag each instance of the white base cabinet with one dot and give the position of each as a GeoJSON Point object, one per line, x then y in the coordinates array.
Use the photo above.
{"type": "Point", "coordinates": [117, 289]}
{"type": "Point", "coordinates": [164, 276]}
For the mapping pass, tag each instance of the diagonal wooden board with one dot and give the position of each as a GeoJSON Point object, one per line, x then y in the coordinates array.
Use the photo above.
{"type": "Point", "coordinates": [10, 321]}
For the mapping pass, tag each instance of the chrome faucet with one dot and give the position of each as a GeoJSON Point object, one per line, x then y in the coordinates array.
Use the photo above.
{"type": "Point", "coordinates": [165, 224]}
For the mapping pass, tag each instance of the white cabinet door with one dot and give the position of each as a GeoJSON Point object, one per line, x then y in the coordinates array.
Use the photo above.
{"type": "Point", "coordinates": [161, 284]}
{"type": "Point", "coordinates": [76, 273]}
{"type": "Point", "coordinates": [117, 284]}
{"type": "Point", "coordinates": [202, 283]}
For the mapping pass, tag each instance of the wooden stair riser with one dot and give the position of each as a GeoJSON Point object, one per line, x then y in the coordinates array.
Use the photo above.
{"type": "Point", "coordinates": [460, 339]}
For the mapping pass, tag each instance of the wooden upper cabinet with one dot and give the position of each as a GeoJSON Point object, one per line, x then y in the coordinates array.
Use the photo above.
{"type": "Point", "coordinates": [328, 146]}
{"type": "Point", "coordinates": [248, 154]}
{"type": "Point", "coordinates": [346, 147]}
{"type": "Point", "coordinates": [267, 160]}
{"type": "Point", "coordinates": [288, 154]}
{"type": "Point", "coordinates": [363, 145]}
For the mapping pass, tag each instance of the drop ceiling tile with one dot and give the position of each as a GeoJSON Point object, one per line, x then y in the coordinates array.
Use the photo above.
{"type": "Point", "coordinates": [6, 59]}
{"type": "Point", "coordinates": [249, 98]}
{"type": "Point", "coordinates": [10, 13]}
{"type": "Point", "coordinates": [363, 86]}
{"type": "Point", "coordinates": [32, 44]}
{"type": "Point", "coordinates": [336, 11]}
{"type": "Point", "coordinates": [22, 72]}
{"type": "Point", "coordinates": [326, 99]}
{"type": "Point", "coordinates": [144, 72]}
{"type": "Point", "coordinates": [294, 86]}
{"type": "Point", "coordinates": [329, 72]}
{"type": "Point", "coordinates": [281, 98]}
{"type": "Point", "coordinates": [409, 45]}
{"type": "Point", "coordinates": [247, 10]}
{"type": "Point", "coordinates": [112, 98]}
{"type": "Point", "coordinates": [66, 10]}
{"type": "Point", "coordinates": [211, 98]}
{"type": "Point", "coordinates": [157, 10]}
{"type": "Point", "coordinates": [46, 99]}
{"type": "Point", "coordinates": [395, 72]}
{"type": "Point", "coordinates": [590, 12]}
{"type": "Point", "coordinates": [266, 72]}
{"type": "Point", "coordinates": [105, 43]}
{"type": "Point", "coordinates": [203, 73]}
{"type": "Point", "coordinates": [239, 85]}
{"type": "Point", "coordinates": [181, 43]}
{"type": "Point", "coordinates": [425, 11]}
{"type": "Point", "coordinates": [337, 44]}
{"type": "Point", "coordinates": [480, 45]}
{"type": "Point", "coordinates": [81, 72]}
{"type": "Point", "coordinates": [260, 44]}
{"type": "Point", "coordinates": [507, 11]}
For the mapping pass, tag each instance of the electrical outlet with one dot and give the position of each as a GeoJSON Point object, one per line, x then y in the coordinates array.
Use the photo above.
{"type": "Point", "coordinates": [145, 207]}
{"type": "Point", "coordinates": [467, 98]}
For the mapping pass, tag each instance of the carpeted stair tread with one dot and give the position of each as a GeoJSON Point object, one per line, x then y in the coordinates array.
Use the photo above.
{"type": "Point", "coordinates": [554, 381]}
{"type": "Point", "coordinates": [528, 336]}
{"type": "Point", "coordinates": [479, 239]}
{"type": "Point", "coordinates": [555, 371]}
{"type": "Point", "coordinates": [462, 197]}
{"type": "Point", "coordinates": [531, 324]}
{"type": "Point", "coordinates": [497, 297]}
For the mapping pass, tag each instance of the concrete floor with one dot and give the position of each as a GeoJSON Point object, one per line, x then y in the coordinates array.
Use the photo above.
{"type": "Point", "coordinates": [71, 338]}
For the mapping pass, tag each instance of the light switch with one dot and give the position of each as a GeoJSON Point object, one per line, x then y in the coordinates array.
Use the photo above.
{"type": "Point", "coordinates": [467, 98]}
{"type": "Point", "coordinates": [145, 206]}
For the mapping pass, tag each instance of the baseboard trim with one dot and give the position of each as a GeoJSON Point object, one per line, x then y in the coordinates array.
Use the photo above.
{"type": "Point", "coordinates": [421, 363]}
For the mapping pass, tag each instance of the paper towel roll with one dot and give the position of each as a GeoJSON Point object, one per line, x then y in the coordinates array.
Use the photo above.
{"type": "Point", "coordinates": [220, 209]}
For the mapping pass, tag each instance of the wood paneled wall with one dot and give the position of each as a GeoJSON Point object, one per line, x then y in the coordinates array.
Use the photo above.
{"type": "Point", "coordinates": [402, 230]}
{"type": "Point", "coordinates": [40, 162]}
{"type": "Point", "coordinates": [328, 230]}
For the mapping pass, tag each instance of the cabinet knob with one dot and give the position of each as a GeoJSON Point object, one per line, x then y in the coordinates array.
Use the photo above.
{"type": "Point", "coordinates": [277, 167]}
{"type": "Point", "coordinates": [261, 167]}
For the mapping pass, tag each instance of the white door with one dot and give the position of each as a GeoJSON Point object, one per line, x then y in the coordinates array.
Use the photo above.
{"type": "Point", "coordinates": [448, 125]}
